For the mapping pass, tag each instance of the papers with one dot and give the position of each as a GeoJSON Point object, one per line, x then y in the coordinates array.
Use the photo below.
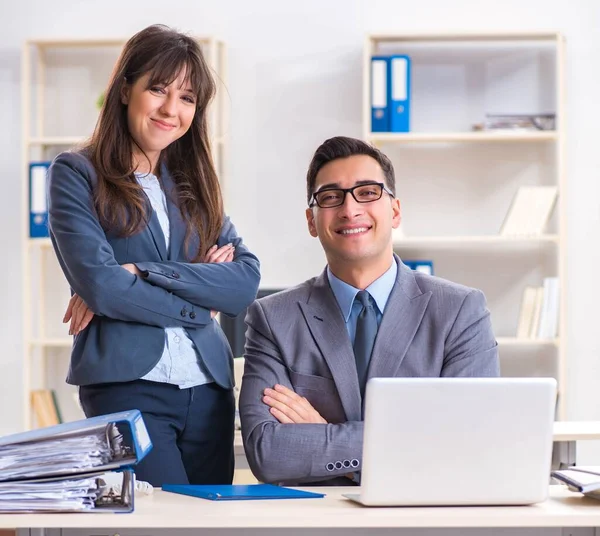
{"type": "Point", "coordinates": [584, 480]}
{"type": "Point", "coordinates": [81, 452]}
{"type": "Point", "coordinates": [53, 496]}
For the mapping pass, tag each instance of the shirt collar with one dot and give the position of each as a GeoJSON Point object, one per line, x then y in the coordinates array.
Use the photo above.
{"type": "Point", "coordinates": [380, 290]}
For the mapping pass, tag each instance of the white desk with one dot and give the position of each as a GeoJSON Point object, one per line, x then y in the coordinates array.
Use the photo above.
{"type": "Point", "coordinates": [162, 513]}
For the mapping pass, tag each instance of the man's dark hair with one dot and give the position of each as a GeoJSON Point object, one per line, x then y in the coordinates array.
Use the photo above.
{"type": "Point", "coordinates": [343, 147]}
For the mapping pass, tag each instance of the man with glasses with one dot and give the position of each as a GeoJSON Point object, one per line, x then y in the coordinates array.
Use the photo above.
{"type": "Point", "coordinates": [311, 349]}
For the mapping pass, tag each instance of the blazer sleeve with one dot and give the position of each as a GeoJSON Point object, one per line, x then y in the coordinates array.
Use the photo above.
{"type": "Point", "coordinates": [88, 262]}
{"type": "Point", "coordinates": [228, 287]}
{"type": "Point", "coordinates": [286, 452]}
{"type": "Point", "coordinates": [471, 348]}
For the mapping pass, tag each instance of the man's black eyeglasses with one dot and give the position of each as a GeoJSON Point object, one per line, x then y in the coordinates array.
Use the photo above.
{"type": "Point", "coordinates": [362, 193]}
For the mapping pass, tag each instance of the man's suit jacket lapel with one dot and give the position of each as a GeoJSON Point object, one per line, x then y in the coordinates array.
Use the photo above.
{"type": "Point", "coordinates": [401, 319]}
{"type": "Point", "coordinates": [326, 324]}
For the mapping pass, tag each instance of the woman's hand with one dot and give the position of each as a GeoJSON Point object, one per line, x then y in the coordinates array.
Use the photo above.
{"type": "Point", "coordinates": [132, 269]}
{"type": "Point", "coordinates": [219, 254]}
{"type": "Point", "coordinates": [79, 314]}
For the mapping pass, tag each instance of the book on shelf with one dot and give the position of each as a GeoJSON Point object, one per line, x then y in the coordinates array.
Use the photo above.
{"type": "Point", "coordinates": [526, 313]}
{"type": "Point", "coordinates": [581, 479]}
{"type": "Point", "coordinates": [529, 211]}
{"type": "Point", "coordinates": [539, 313]}
{"type": "Point", "coordinates": [548, 324]}
{"type": "Point", "coordinates": [45, 407]}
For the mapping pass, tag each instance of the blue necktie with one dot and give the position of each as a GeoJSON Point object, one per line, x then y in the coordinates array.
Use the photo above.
{"type": "Point", "coordinates": [366, 331]}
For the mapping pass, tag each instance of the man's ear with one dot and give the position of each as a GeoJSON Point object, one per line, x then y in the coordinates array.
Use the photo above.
{"type": "Point", "coordinates": [310, 219]}
{"type": "Point", "coordinates": [396, 213]}
{"type": "Point", "coordinates": [125, 91]}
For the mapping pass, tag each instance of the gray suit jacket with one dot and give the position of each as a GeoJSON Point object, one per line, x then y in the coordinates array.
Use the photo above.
{"type": "Point", "coordinates": [126, 337]}
{"type": "Point", "coordinates": [430, 328]}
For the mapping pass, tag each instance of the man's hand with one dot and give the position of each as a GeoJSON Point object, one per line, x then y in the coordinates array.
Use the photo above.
{"type": "Point", "coordinates": [79, 314]}
{"type": "Point", "coordinates": [289, 408]}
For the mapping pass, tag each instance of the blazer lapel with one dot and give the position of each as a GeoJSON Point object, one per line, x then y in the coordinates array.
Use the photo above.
{"type": "Point", "coordinates": [401, 319]}
{"type": "Point", "coordinates": [176, 223]}
{"type": "Point", "coordinates": [157, 235]}
{"type": "Point", "coordinates": [326, 324]}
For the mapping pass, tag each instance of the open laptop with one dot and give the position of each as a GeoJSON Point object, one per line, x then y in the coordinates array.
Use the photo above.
{"type": "Point", "coordinates": [457, 441]}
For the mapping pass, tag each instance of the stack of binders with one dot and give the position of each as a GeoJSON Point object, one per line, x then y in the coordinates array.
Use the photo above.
{"type": "Point", "coordinates": [60, 468]}
{"type": "Point", "coordinates": [390, 94]}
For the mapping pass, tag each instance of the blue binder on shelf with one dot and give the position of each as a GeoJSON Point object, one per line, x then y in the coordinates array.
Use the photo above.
{"type": "Point", "coordinates": [425, 267]}
{"type": "Point", "coordinates": [38, 202]}
{"type": "Point", "coordinates": [399, 98]}
{"type": "Point", "coordinates": [380, 92]}
{"type": "Point", "coordinates": [59, 468]}
{"type": "Point", "coordinates": [240, 492]}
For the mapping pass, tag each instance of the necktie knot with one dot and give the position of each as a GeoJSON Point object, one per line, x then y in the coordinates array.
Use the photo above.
{"type": "Point", "coordinates": [364, 298]}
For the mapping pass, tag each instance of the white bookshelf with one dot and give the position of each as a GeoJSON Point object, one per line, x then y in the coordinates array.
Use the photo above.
{"type": "Point", "coordinates": [456, 183]}
{"type": "Point", "coordinates": [61, 82]}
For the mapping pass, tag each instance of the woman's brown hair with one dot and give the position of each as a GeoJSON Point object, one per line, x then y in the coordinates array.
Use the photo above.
{"type": "Point", "coordinates": [121, 205]}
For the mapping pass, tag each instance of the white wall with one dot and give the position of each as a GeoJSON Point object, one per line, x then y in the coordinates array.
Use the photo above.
{"type": "Point", "coordinates": [294, 80]}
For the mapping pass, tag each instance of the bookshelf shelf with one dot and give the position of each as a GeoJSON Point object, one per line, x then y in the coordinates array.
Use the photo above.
{"type": "Point", "coordinates": [62, 80]}
{"type": "Point", "coordinates": [514, 341]}
{"type": "Point", "coordinates": [52, 343]}
{"type": "Point", "coordinates": [96, 43]}
{"type": "Point", "coordinates": [459, 185]}
{"type": "Point", "coordinates": [473, 241]}
{"type": "Point", "coordinates": [462, 137]}
{"type": "Point", "coordinates": [52, 141]}
{"type": "Point", "coordinates": [482, 37]}
{"type": "Point", "coordinates": [39, 242]}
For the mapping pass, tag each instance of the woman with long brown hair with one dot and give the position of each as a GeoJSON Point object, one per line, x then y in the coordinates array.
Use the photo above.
{"type": "Point", "coordinates": [136, 219]}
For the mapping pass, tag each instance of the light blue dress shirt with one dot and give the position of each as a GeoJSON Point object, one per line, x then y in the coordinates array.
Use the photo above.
{"type": "Point", "coordinates": [179, 364]}
{"type": "Point", "coordinates": [345, 294]}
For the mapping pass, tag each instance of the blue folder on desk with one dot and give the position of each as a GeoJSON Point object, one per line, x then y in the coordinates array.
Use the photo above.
{"type": "Point", "coordinates": [240, 492]}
